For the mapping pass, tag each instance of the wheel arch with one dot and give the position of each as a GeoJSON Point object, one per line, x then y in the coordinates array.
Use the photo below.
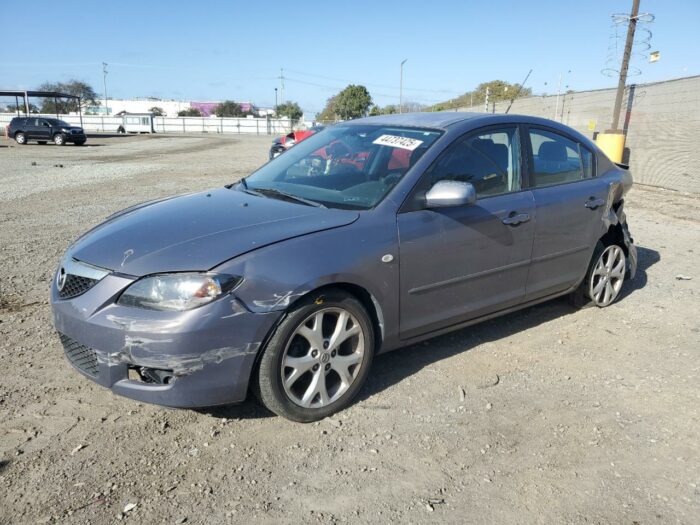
{"type": "Point", "coordinates": [368, 301]}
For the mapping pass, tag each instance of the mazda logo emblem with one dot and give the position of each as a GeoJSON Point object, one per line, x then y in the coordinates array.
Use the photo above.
{"type": "Point", "coordinates": [61, 278]}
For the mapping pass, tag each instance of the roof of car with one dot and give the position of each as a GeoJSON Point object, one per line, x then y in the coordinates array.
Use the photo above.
{"type": "Point", "coordinates": [433, 119]}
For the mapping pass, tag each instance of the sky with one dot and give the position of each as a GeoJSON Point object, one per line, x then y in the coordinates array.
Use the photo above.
{"type": "Point", "coordinates": [217, 50]}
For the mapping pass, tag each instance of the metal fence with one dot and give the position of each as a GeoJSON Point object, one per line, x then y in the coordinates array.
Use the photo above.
{"type": "Point", "coordinates": [249, 126]}
{"type": "Point", "coordinates": [662, 120]}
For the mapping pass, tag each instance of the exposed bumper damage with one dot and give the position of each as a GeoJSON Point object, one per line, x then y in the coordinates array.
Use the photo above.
{"type": "Point", "coordinates": [615, 221]}
{"type": "Point", "coordinates": [175, 359]}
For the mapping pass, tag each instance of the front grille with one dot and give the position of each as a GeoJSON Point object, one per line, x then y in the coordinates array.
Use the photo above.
{"type": "Point", "coordinates": [76, 285]}
{"type": "Point", "coordinates": [81, 356]}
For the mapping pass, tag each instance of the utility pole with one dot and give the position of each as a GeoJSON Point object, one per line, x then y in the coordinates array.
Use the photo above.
{"type": "Point", "coordinates": [276, 102]}
{"type": "Point", "coordinates": [625, 64]}
{"type": "Point", "coordinates": [281, 86]}
{"type": "Point", "coordinates": [556, 107]}
{"type": "Point", "coordinates": [401, 87]}
{"type": "Point", "coordinates": [486, 102]}
{"type": "Point", "coordinates": [104, 80]}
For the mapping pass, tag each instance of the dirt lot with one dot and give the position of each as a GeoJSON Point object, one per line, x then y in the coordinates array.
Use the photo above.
{"type": "Point", "coordinates": [548, 415]}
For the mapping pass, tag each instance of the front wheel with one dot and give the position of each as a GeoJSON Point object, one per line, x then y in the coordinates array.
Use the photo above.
{"type": "Point", "coordinates": [59, 139]}
{"type": "Point", "coordinates": [318, 358]}
{"type": "Point", "coordinates": [604, 278]}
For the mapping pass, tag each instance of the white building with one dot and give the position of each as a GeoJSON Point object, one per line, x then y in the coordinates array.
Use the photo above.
{"type": "Point", "coordinates": [140, 105]}
{"type": "Point", "coordinates": [169, 107]}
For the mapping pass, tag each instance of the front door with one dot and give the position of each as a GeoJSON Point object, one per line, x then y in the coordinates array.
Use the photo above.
{"type": "Point", "coordinates": [464, 262]}
{"type": "Point", "coordinates": [43, 130]}
{"type": "Point", "coordinates": [569, 202]}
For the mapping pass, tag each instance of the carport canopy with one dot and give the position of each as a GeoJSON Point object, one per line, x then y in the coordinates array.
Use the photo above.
{"type": "Point", "coordinates": [40, 94]}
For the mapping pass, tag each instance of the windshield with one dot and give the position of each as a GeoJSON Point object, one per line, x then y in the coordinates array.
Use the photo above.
{"type": "Point", "coordinates": [351, 166]}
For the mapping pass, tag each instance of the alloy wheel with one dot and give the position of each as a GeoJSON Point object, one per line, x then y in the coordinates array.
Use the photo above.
{"type": "Point", "coordinates": [608, 276]}
{"type": "Point", "coordinates": [323, 358]}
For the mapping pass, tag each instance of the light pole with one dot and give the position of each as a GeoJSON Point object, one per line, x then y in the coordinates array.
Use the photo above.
{"type": "Point", "coordinates": [401, 87]}
{"type": "Point", "coordinates": [276, 103]}
{"type": "Point", "coordinates": [104, 79]}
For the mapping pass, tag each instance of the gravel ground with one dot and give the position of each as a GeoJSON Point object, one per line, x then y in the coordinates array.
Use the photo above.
{"type": "Point", "coordinates": [548, 415]}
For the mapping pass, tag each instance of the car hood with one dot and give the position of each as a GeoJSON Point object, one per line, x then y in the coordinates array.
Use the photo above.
{"type": "Point", "coordinates": [199, 231]}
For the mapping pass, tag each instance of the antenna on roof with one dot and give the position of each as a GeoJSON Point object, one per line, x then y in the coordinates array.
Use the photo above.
{"type": "Point", "coordinates": [518, 92]}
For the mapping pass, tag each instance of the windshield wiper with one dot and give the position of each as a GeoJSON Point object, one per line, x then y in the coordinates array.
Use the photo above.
{"type": "Point", "coordinates": [273, 192]}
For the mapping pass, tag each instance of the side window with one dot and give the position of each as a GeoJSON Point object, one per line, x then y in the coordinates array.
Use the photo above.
{"type": "Point", "coordinates": [489, 160]}
{"type": "Point", "coordinates": [557, 160]}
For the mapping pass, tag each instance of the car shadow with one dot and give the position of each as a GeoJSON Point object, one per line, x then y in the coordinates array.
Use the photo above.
{"type": "Point", "coordinates": [3, 464]}
{"type": "Point", "coordinates": [646, 258]}
{"type": "Point", "coordinates": [392, 368]}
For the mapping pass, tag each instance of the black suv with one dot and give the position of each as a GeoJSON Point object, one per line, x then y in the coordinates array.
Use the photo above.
{"type": "Point", "coordinates": [42, 129]}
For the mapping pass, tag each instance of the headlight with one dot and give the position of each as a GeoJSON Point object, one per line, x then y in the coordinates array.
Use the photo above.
{"type": "Point", "coordinates": [177, 291]}
{"type": "Point", "coordinates": [65, 130]}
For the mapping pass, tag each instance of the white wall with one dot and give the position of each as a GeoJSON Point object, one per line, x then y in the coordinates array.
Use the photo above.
{"type": "Point", "coordinates": [253, 126]}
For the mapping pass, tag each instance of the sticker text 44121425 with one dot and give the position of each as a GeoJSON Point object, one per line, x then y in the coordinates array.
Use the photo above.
{"type": "Point", "coordinates": [395, 141]}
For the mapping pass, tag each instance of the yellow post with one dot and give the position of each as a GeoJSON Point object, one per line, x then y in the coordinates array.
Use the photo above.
{"type": "Point", "coordinates": [612, 143]}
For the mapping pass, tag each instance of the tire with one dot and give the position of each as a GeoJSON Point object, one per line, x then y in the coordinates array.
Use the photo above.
{"type": "Point", "coordinates": [604, 277]}
{"type": "Point", "coordinates": [326, 377]}
{"type": "Point", "coordinates": [59, 139]}
{"type": "Point", "coordinates": [42, 142]}
{"type": "Point", "coordinates": [21, 138]}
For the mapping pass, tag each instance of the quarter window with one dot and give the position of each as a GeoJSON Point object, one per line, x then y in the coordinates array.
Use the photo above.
{"type": "Point", "coordinates": [558, 160]}
{"type": "Point", "coordinates": [490, 161]}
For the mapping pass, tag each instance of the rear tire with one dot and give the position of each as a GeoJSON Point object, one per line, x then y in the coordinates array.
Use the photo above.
{"type": "Point", "coordinates": [59, 139]}
{"type": "Point", "coordinates": [21, 138]}
{"type": "Point", "coordinates": [318, 358]}
{"type": "Point", "coordinates": [604, 277]}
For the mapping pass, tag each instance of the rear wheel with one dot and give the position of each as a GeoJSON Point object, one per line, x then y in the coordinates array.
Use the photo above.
{"type": "Point", "coordinates": [318, 358]}
{"type": "Point", "coordinates": [20, 138]}
{"type": "Point", "coordinates": [59, 139]}
{"type": "Point", "coordinates": [604, 278]}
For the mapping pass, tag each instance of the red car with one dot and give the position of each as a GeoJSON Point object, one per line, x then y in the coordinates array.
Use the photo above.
{"type": "Point", "coordinates": [282, 144]}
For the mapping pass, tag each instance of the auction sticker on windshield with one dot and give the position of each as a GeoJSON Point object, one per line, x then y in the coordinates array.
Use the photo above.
{"type": "Point", "coordinates": [398, 142]}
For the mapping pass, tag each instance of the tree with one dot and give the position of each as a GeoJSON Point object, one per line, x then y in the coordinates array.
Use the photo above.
{"type": "Point", "coordinates": [13, 109]}
{"type": "Point", "coordinates": [352, 102]}
{"type": "Point", "coordinates": [290, 109]}
{"type": "Point", "coordinates": [229, 108]}
{"type": "Point", "coordinates": [189, 112]}
{"type": "Point", "coordinates": [328, 112]}
{"type": "Point", "coordinates": [157, 111]}
{"type": "Point", "coordinates": [499, 91]}
{"type": "Point", "coordinates": [389, 110]}
{"type": "Point", "coordinates": [87, 95]}
{"type": "Point", "coordinates": [376, 110]}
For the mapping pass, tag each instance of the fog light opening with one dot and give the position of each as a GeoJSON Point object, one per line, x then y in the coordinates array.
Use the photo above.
{"type": "Point", "coordinates": [154, 376]}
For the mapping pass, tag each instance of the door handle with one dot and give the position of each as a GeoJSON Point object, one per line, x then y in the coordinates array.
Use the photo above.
{"type": "Point", "coordinates": [514, 219]}
{"type": "Point", "coordinates": [594, 203]}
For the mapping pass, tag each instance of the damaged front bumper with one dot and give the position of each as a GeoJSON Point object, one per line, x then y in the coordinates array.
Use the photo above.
{"type": "Point", "coordinates": [202, 357]}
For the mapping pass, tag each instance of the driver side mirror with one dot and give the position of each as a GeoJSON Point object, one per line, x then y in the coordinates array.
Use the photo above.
{"type": "Point", "coordinates": [447, 193]}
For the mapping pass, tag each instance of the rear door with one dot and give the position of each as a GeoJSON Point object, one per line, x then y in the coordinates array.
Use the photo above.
{"type": "Point", "coordinates": [569, 203]}
{"type": "Point", "coordinates": [32, 128]}
{"type": "Point", "coordinates": [464, 262]}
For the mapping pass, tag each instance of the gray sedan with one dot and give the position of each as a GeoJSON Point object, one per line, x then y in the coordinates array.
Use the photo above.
{"type": "Point", "coordinates": [368, 236]}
